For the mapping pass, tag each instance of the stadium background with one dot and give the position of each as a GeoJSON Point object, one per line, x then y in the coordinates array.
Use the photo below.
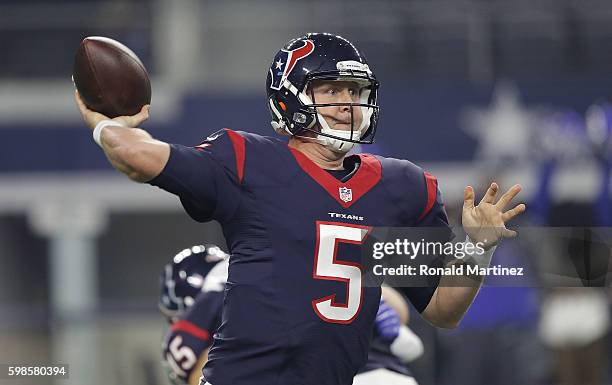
{"type": "Point", "coordinates": [466, 88]}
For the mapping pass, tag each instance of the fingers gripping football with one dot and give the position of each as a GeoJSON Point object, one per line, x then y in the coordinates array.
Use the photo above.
{"type": "Point", "coordinates": [92, 118]}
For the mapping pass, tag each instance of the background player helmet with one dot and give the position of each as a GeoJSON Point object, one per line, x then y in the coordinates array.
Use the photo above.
{"type": "Point", "coordinates": [320, 56]}
{"type": "Point", "coordinates": [183, 278]}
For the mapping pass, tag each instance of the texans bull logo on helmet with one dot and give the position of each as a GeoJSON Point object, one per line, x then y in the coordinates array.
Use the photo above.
{"type": "Point", "coordinates": [285, 61]}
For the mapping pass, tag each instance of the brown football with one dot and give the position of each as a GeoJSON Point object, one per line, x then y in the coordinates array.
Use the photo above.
{"type": "Point", "coordinates": [110, 78]}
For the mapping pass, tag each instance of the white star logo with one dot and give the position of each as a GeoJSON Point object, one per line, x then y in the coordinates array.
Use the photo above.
{"type": "Point", "coordinates": [279, 64]}
{"type": "Point", "coordinates": [502, 129]}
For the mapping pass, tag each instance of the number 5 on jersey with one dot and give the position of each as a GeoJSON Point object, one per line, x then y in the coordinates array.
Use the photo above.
{"type": "Point", "coordinates": [326, 267]}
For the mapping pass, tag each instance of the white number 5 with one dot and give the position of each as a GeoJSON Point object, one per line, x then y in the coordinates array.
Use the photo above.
{"type": "Point", "coordinates": [328, 268]}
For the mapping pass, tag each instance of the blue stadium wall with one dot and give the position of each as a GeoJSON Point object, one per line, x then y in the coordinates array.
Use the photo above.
{"type": "Point", "coordinates": [419, 121]}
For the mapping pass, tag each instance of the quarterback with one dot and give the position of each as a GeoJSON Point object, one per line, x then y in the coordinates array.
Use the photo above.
{"type": "Point", "coordinates": [295, 308]}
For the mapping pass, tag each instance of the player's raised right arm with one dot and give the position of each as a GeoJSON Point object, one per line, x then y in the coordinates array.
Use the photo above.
{"type": "Point", "coordinates": [130, 150]}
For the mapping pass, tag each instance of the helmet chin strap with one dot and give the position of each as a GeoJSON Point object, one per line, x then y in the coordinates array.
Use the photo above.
{"type": "Point", "coordinates": [330, 143]}
{"type": "Point", "coordinates": [336, 144]}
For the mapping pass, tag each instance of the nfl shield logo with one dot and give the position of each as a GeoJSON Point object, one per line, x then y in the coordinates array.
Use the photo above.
{"type": "Point", "coordinates": [346, 194]}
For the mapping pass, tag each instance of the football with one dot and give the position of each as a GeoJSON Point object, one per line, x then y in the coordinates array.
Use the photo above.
{"type": "Point", "coordinates": [110, 78]}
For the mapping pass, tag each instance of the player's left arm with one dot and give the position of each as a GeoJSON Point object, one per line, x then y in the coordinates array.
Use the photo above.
{"type": "Point", "coordinates": [485, 223]}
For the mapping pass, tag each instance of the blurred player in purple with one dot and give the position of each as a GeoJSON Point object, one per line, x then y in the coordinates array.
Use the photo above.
{"type": "Point", "coordinates": [295, 213]}
{"type": "Point", "coordinates": [191, 298]}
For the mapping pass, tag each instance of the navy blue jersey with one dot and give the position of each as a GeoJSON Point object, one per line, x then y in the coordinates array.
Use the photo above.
{"type": "Point", "coordinates": [295, 310]}
{"type": "Point", "coordinates": [192, 334]}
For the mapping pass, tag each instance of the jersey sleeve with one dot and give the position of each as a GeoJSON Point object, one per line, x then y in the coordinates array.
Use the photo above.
{"type": "Point", "coordinates": [433, 215]}
{"type": "Point", "coordinates": [188, 338]}
{"type": "Point", "coordinates": [207, 178]}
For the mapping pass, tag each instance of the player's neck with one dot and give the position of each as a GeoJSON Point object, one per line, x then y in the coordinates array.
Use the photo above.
{"type": "Point", "coordinates": [319, 154]}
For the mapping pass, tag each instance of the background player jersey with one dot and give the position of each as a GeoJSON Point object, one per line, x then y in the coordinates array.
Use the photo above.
{"type": "Point", "coordinates": [295, 310]}
{"type": "Point", "coordinates": [191, 335]}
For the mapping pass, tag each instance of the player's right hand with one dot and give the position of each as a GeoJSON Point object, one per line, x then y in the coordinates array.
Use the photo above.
{"type": "Point", "coordinates": [92, 118]}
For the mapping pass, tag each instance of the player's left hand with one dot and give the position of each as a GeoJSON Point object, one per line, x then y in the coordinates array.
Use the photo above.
{"type": "Point", "coordinates": [486, 222]}
{"type": "Point", "coordinates": [92, 118]}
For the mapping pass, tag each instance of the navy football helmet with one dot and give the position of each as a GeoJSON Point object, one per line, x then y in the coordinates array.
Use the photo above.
{"type": "Point", "coordinates": [183, 278]}
{"type": "Point", "coordinates": [320, 56]}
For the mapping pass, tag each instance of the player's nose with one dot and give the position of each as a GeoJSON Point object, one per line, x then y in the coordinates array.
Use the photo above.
{"type": "Point", "coordinates": [345, 97]}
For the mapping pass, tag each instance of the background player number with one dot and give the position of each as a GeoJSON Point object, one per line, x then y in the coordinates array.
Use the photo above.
{"type": "Point", "coordinates": [181, 358]}
{"type": "Point", "coordinates": [326, 267]}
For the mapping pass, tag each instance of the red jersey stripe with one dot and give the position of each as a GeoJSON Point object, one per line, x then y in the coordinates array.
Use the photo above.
{"type": "Point", "coordinates": [432, 192]}
{"type": "Point", "coordinates": [239, 149]}
{"type": "Point", "coordinates": [190, 328]}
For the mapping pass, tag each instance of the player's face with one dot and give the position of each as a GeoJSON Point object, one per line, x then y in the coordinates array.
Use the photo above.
{"type": "Point", "coordinates": [338, 91]}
